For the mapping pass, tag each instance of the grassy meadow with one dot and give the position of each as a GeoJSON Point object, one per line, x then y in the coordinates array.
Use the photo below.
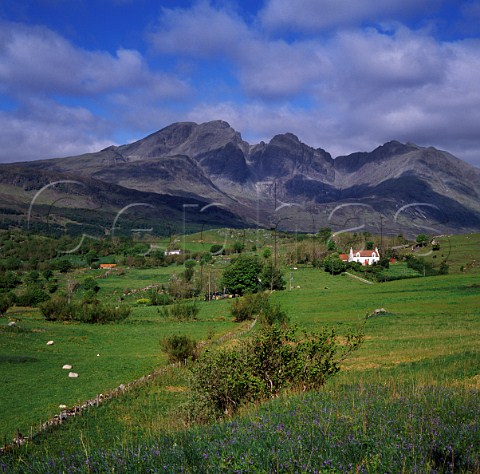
{"type": "Point", "coordinates": [406, 401]}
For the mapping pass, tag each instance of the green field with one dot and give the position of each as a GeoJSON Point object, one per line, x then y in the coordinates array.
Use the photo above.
{"type": "Point", "coordinates": [420, 359]}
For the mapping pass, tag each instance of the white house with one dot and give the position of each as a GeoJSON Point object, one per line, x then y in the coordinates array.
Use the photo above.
{"type": "Point", "coordinates": [365, 257]}
{"type": "Point", "coordinates": [173, 252]}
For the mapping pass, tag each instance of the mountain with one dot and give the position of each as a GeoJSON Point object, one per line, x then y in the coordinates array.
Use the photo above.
{"type": "Point", "coordinates": [283, 183]}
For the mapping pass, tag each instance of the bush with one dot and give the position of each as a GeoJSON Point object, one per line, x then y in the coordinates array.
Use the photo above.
{"type": "Point", "coordinates": [143, 301]}
{"type": "Point", "coordinates": [9, 280]}
{"type": "Point", "coordinates": [5, 303]}
{"type": "Point", "coordinates": [249, 306]}
{"type": "Point", "coordinates": [274, 360]}
{"type": "Point", "coordinates": [182, 311]}
{"type": "Point", "coordinates": [216, 249]}
{"type": "Point", "coordinates": [58, 309]}
{"type": "Point", "coordinates": [90, 284]}
{"type": "Point", "coordinates": [334, 264]}
{"type": "Point", "coordinates": [443, 270]}
{"type": "Point", "coordinates": [420, 265]}
{"type": "Point", "coordinates": [158, 298]}
{"type": "Point", "coordinates": [257, 305]}
{"type": "Point", "coordinates": [63, 265]}
{"type": "Point", "coordinates": [274, 315]}
{"type": "Point", "coordinates": [33, 296]}
{"type": "Point", "coordinates": [179, 348]}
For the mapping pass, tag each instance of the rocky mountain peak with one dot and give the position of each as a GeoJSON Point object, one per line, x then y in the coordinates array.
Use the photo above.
{"type": "Point", "coordinates": [211, 161]}
{"type": "Point", "coordinates": [353, 162]}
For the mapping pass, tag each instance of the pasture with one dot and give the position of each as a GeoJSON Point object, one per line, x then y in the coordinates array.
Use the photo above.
{"type": "Point", "coordinates": [419, 363]}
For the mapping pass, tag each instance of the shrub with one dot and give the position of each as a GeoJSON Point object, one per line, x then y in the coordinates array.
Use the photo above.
{"type": "Point", "coordinates": [90, 284]}
{"type": "Point", "coordinates": [9, 280]}
{"type": "Point", "coordinates": [143, 301]}
{"type": "Point", "coordinates": [420, 265]}
{"type": "Point", "coordinates": [63, 265]}
{"type": "Point", "coordinates": [249, 306]}
{"type": "Point", "coordinates": [182, 311]}
{"type": "Point", "coordinates": [158, 298]}
{"type": "Point", "coordinates": [179, 348]}
{"type": "Point", "coordinates": [216, 249]}
{"type": "Point", "coordinates": [260, 368]}
{"type": "Point", "coordinates": [33, 296]}
{"type": "Point", "coordinates": [274, 315]}
{"type": "Point", "coordinates": [334, 264]}
{"type": "Point", "coordinates": [443, 270]}
{"type": "Point", "coordinates": [257, 305]}
{"type": "Point", "coordinates": [58, 309]}
{"type": "Point", "coordinates": [5, 303]}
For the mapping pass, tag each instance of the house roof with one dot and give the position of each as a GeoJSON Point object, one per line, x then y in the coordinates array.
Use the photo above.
{"type": "Point", "coordinates": [365, 253]}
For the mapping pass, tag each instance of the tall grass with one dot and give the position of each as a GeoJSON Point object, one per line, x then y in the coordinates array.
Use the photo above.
{"type": "Point", "coordinates": [359, 428]}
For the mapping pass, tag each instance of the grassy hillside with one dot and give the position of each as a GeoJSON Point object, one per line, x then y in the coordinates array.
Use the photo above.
{"type": "Point", "coordinates": [415, 375]}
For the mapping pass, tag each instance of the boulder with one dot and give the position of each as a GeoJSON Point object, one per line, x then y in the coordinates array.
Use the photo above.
{"type": "Point", "coordinates": [73, 375]}
{"type": "Point", "coordinates": [67, 367]}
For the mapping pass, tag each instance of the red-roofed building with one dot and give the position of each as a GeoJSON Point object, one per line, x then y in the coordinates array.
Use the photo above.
{"type": "Point", "coordinates": [365, 257]}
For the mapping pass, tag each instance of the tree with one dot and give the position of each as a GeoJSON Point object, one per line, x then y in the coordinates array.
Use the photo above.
{"type": "Point", "coordinates": [32, 277]}
{"type": "Point", "coordinates": [32, 296]}
{"type": "Point", "coordinates": [189, 270]}
{"type": "Point", "coordinates": [216, 249]}
{"type": "Point", "coordinates": [422, 239]}
{"type": "Point", "coordinates": [324, 234]}
{"type": "Point", "coordinates": [272, 278]}
{"type": "Point", "coordinates": [64, 265]}
{"type": "Point", "coordinates": [238, 247]}
{"type": "Point", "coordinates": [90, 284]}
{"type": "Point", "coordinates": [90, 257]}
{"type": "Point", "coordinates": [243, 275]}
{"type": "Point", "coordinates": [334, 264]}
{"type": "Point", "coordinates": [72, 286]}
{"type": "Point", "coordinates": [331, 246]}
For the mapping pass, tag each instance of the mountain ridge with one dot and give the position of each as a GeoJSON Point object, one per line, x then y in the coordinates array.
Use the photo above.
{"type": "Point", "coordinates": [211, 163]}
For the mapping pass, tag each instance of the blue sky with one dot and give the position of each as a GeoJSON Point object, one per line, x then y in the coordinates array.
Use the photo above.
{"type": "Point", "coordinates": [343, 75]}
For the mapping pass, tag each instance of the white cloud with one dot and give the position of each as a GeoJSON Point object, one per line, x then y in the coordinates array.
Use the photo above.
{"type": "Point", "coordinates": [317, 15]}
{"type": "Point", "coordinates": [37, 60]}
{"type": "Point", "coordinates": [40, 72]}
{"type": "Point", "coordinates": [202, 31]}
{"type": "Point", "coordinates": [265, 68]}
{"type": "Point", "coordinates": [44, 129]}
